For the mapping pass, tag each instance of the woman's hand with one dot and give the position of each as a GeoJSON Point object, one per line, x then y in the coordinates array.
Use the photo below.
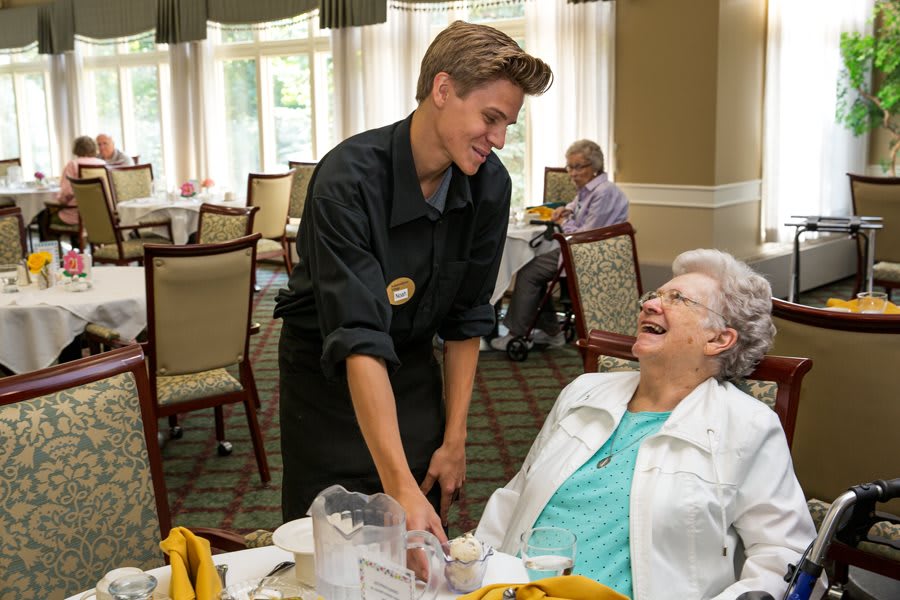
{"type": "Point", "coordinates": [448, 469]}
{"type": "Point", "coordinates": [560, 214]}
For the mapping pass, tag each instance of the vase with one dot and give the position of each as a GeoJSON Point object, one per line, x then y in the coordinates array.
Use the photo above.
{"type": "Point", "coordinates": [44, 278]}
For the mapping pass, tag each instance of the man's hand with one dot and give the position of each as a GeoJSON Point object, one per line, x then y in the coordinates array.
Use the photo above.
{"type": "Point", "coordinates": [419, 512]}
{"type": "Point", "coordinates": [448, 469]}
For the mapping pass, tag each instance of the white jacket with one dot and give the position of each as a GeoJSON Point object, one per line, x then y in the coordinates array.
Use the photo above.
{"type": "Point", "coordinates": [718, 474]}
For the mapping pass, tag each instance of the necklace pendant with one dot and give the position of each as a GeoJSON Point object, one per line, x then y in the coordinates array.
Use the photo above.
{"type": "Point", "coordinates": [604, 462]}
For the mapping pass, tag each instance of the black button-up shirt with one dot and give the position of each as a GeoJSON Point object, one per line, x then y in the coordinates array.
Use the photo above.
{"type": "Point", "coordinates": [366, 226]}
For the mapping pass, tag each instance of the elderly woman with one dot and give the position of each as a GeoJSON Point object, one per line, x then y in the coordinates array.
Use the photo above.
{"type": "Point", "coordinates": [676, 483]}
{"type": "Point", "coordinates": [85, 151]}
{"type": "Point", "coordinates": [598, 203]}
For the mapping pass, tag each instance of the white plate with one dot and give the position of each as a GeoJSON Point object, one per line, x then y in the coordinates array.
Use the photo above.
{"type": "Point", "coordinates": [295, 536]}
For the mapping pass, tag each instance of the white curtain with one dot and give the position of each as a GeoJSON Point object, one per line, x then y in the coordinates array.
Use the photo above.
{"type": "Point", "coordinates": [578, 42]}
{"type": "Point", "coordinates": [376, 69]}
{"type": "Point", "coordinates": [806, 153]}
{"type": "Point", "coordinates": [194, 114]}
{"type": "Point", "coordinates": [66, 85]}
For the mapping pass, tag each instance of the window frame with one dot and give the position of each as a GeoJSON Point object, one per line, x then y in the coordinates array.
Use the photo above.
{"type": "Point", "coordinates": [19, 70]}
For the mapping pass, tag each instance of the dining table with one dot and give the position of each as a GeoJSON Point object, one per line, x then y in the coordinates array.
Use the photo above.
{"type": "Point", "coordinates": [523, 243]}
{"type": "Point", "coordinates": [254, 563]}
{"type": "Point", "coordinates": [184, 213]}
{"type": "Point", "coordinates": [36, 325]}
{"type": "Point", "coordinates": [30, 197]}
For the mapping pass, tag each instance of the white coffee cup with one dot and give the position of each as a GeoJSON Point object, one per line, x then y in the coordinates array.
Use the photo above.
{"type": "Point", "coordinates": [101, 592]}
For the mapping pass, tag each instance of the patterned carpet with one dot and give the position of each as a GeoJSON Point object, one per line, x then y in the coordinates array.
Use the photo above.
{"type": "Point", "coordinates": [509, 404]}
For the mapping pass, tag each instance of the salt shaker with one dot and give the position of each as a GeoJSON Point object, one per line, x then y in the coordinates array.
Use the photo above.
{"type": "Point", "coordinates": [22, 278]}
{"type": "Point", "coordinates": [133, 587]}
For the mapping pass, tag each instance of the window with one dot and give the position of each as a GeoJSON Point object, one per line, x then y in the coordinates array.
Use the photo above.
{"type": "Point", "coordinates": [125, 92]}
{"type": "Point", "coordinates": [25, 114]}
{"type": "Point", "coordinates": [277, 87]}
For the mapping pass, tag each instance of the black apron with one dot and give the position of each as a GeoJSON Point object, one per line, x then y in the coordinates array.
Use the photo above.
{"type": "Point", "coordinates": [321, 443]}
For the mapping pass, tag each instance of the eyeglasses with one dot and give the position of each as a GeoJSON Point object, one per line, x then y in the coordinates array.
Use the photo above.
{"type": "Point", "coordinates": [577, 167]}
{"type": "Point", "coordinates": [671, 297]}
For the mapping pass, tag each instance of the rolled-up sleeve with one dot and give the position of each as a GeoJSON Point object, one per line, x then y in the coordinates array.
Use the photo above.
{"type": "Point", "coordinates": [354, 314]}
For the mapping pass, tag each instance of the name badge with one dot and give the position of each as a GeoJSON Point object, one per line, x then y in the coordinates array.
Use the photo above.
{"type": "Point", "coordinates": [400, 290]}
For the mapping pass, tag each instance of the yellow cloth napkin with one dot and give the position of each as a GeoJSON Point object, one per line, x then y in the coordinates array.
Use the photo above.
{"type": "Point", "coordinates": [853, 306]}
{"type": "Point", "coordinates": [194, 575]}
{"type": "Point", "coordinates": [542, 212]}
{"type": "Point", "coordinates": [567, 587]}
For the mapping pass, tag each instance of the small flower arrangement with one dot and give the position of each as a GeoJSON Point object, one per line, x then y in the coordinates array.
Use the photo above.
{"type": "Point", "coordinates": [39, 265]}
{"type": "Point", "coordinates": [207, 183]}
{"type": "Point", "coordinates": [75, 270]}
{"type": "Point", "coordinates": [39, 176]}
{"type": "Point", "coordinates": [188, 190]}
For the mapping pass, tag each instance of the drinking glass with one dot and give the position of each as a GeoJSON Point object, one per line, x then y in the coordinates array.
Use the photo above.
{"type": "Point", "coordinates": [133, 587]}
{"type": "Point", "coordinates": [871, 302]}
{"type": "Point", "coordinates": [9, 277]}
{"type": "Point", "coordinates": [548, 552]}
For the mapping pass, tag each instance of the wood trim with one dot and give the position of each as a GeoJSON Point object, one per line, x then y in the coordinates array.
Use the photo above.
{"type": "Point", "coordinates": [827, 319]}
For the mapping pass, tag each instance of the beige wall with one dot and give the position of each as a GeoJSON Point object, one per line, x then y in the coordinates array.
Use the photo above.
{"type": "Point", "coordinates": [689, 93]}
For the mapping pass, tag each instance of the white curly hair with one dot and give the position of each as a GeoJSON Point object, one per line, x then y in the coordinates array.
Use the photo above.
{"type": "Point", "coordinates": [745, 299]}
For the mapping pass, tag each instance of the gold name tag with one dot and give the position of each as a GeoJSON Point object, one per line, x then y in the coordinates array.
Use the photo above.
{"type": "Point", "coordinates": [400, 290]}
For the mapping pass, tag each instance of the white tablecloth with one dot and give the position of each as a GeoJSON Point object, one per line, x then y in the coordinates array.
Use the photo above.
{"type": "Point", "coordinates": [35, 325]}
{"type": "Point", "coordinates": [517, 253]}
{"type": "Point", "coordinates": [183, 212]}
{"type": "Point", "coordinates": [254, 563]}
{"type": "Point", "coordinates": [30, 199]}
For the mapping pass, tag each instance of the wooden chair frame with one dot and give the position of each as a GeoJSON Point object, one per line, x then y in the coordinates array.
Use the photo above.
{"type": "Point", "coordinates": [285, 251]}
{"type": "Point", "coordinates": [232, 211]}
{"type": "Point", "coordinates": [134, 167]}
{"type": "Point", "coordinates": [118, 228]}
{"type": "Point", "coordinates": [893, 182]}
{"type": "Point", "coordinates": [547, 171]}
{"type": "Point", "coordinates": [586, 237]}
{"type": "Point", "coordinates": [16, 213]}
{"type": "Point", "coordinates": [787, 372]}
{"type": "Point", "coordinates": [249, 395]}
{"type": "Point", "coordinates": [11, 162]}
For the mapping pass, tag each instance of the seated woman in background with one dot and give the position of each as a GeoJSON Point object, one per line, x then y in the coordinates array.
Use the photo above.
{"type": "Point", "coordinates": [85, 151]}
{"type": "Point", "coordinates": [676, 483]}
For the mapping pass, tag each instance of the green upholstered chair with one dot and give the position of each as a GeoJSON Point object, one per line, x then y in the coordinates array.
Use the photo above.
{"type": "Point", "coordinates": [603, 278]}
{"type": "Point", "coordinates": [82, 482]}
{"type": "Point", "coordinates": [198, 326]}
{"type": "Point", "coordinates": [6, 163]}
{"type": "Point", "coordinates": [222, 223]}
{"type": "Point", "coordinates": [299, 187]}
{"type": "Point", "coordinates": [101, 171]}
{"type": "Point", "coordinates": [13, 243]}
{"type": "Point", "coordinates": [879, 197]}
{"type": "Point", "coordinates": [108, 238]}
{"type": "Point", "coordinates": [558, 186]}
{"type": "Point", "coordinates": [272, 194]}
{"type": "Point", "coordinates": [128, 183]}
{"type": "Point", "coordinates": [776, 380]}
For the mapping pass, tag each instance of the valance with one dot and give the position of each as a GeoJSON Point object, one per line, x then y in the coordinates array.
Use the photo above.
{"type": "Point", "coordinates": [102, 19]}
{"type": "Point", "coordinates": [244, 11]}
{"type": "Point", "coordinates": [18, 27]}
{"type": "Point", "coordinates": [180, 21]}
{"type": "Point", "coordinates": [349, 13]}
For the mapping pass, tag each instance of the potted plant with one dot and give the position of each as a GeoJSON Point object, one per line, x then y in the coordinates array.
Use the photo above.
{"type": "Point", "coordinates": [869, 89]}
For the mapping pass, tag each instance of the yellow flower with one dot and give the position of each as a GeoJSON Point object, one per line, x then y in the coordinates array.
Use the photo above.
{"type": "Point", "coordinates": [39, 260]}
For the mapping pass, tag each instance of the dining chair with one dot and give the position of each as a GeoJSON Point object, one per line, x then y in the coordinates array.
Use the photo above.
{"type": "Point", "coordinates": [272, 194]}
{"type": "Point", "coordinates": [558, 186]}
{"type": "Point", "coordinates": [299, 187]}
{"type": "Point", "coordinates": [83, 486]}
{"type": "Point", "coordinates": [106, 236]}
{"type": "Point", "coordinates": [101, 171]}
{"type": "Point", "coordinates": [13, 242]}
{"type": "Point", "coordinates": [128, 183]}
{"type": "Point", "coordinates": [136, 159]}
{"type": "Point", "coordinates": [219, 223]}
{"type": "Point", "coordinates": [776, 380]}
{"type": "Point", "coordinates": [879, 197]}
{"type": "Point", "coordinates": [603, 278]}
{"type": "Point", "coordinates": [6, 163]}
{"type": "Point", "coordinates": [198, 326]}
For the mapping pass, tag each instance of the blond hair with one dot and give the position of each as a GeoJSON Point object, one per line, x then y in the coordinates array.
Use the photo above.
{"type": "Point", "coordinates": [474, 55]}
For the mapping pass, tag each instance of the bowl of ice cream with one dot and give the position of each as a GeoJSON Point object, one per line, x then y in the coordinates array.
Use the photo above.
{"type": "Point", "coordinates": [465, 559]}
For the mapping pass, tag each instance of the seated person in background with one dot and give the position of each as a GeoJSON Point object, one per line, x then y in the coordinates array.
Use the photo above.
{"type": "Point", "coordinates": [598, 203]}
{"type": "Point", "coordinates": [676, 483]}
{"type": "Point", "coordinates": [85, 151]}
{"type": "Point", "coordinates": [109, 153]}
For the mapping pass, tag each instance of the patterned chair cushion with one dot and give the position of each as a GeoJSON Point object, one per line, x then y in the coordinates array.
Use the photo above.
{"type": "Point", "coordinates": [133, 249]}
{"type": "Point", "coordinates": [172, 389]}
{"type": "Point", "coordinates": [132, 184]}
{"type": "Point", "coordinates": [258, 538]}
{"type": "Point", "coordinates": [10, 241]}
{"type": "Point", "coordinates": [558, 187]}
{"type": "Point", "coordinates": [266, 245]}
{"type": "Point", "coordinates": [606, 284]}
{"type": "Point", "coordinates": [299, 188]}
{"type": "Point", "coordinates": [884, 535]}
{"type": "Point", "coordinates": [222, 228]}
{"type": "Point", "coordinates": [78, 499]}
{"type": "Point", "coordinates": [764, 391]}
{"type": "Point", "coordinates": [887, 270]}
